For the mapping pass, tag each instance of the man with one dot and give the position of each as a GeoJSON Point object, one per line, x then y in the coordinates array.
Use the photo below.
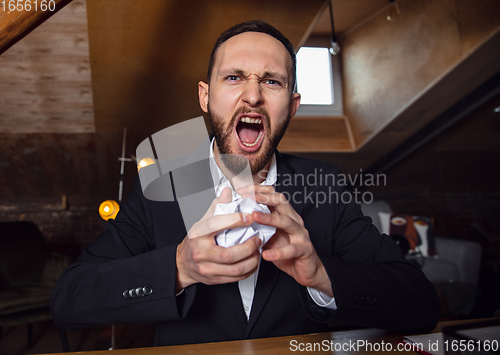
{"type": "Point", "coordinates": [326, 263]}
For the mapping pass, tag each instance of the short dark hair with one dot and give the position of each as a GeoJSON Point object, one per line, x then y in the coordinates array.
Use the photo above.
{"type": "Point", "coordinates": [254, 26]}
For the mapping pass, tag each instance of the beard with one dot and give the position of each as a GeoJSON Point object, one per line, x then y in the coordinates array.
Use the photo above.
{"type": "Point", "coordinates": [258, 160]}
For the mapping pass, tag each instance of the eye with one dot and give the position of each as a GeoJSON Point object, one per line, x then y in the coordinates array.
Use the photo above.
{"type": "Point", "coordinates": [232, 77]}
{"type": "Point", "coordinates": [273, 82]}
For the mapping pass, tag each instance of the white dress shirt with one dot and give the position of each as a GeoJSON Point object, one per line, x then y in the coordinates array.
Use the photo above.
{"type": "Point", "coordinates": [247, 286]}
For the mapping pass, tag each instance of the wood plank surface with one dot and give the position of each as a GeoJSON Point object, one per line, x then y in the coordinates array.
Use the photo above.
{"type": "Point", "coordinates": [369, 341]}
{"type": "Point", "coordinates": [318, 134]}
{"type": "Point", "coordinates": [145, 73]}
{"type": "Point", "coordinates": [17, 22]}
{"type": "Point", "coordinates": [388, 66]}
{"type": "Point", "coordinates": [45, 78]}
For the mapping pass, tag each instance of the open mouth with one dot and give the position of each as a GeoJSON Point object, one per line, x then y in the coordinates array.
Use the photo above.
{"type": "Point", "coordinates": [250, 131]}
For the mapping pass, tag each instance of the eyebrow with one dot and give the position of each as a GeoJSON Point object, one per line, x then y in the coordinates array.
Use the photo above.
{"type": "Point", "coordinates": [267, 74]}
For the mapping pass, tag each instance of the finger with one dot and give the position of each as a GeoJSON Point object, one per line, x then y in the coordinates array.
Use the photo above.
{"type": "Point", "coordinates": [238, 271]}
{"type": "Point", "coordinates": [277, 202]}
{"type": "Point", "coordinates": [279, 221]}
{"type": "Point", "coordinates": [270, 198]}
{"type": "Point", "coordinates": [256, 188]}
{"type": "Point", "coordinates": [214, 224]}
{"type": "Point", "coordinates": [225, 197]}
{"type": "Point", "coordinates": [278, 240]}
{"type": "Point", "coordinates": [234, 254]}
{"type": "Point", "coordinates": [288, 252]}
{"type": "Point", "coordinates": [212, 253]}
{"type": "Point", "coordinates": [222, 279]}
{"type": "Point", "coordinates": [264, 194]}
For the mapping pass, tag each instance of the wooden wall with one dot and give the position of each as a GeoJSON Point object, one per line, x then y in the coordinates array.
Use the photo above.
{"type": "Point", "coordinates": [399, 76]}
{"type": "Point", "coordinates": [45, 78]}
{"type": "Point", "coordinates": [387, 65]}
{"type": "Point", "coordinates": [148, 56]}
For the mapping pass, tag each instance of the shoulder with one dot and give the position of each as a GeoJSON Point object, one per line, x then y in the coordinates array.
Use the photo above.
{"type": "Point", "coordinates": [306, 165]}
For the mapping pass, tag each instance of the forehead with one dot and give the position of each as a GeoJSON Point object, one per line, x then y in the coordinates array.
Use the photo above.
{"type": "Point", "coordinates": [253, 52]}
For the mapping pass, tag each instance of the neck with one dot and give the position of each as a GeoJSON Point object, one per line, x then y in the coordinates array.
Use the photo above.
{"type": "Point", "coordinates": [257, 178]}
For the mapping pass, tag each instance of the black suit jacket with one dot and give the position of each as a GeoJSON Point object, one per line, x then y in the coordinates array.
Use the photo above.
{"type": "Point", "coordinates": [373, 285]}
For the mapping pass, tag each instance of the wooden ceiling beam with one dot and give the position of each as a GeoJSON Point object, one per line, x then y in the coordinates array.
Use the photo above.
{"type": "Point", "coordinates": [16, 22]}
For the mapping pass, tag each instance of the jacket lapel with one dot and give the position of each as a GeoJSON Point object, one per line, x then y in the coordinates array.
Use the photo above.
{"type": "Point", "coordinates": [269, 273]}
{"type": "Point", "coordinates": [286, 182]}
{"type": "Point", "coordinates": [232, 293]}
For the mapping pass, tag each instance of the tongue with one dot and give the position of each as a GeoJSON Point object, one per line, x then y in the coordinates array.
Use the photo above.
{"type": "Point", "coordinates": [248, 134]}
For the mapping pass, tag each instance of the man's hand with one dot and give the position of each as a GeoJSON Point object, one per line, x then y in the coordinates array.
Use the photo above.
{"type": "Point", "coordinates": [200, 259]}
{"type": "Point", "coordinates": [290, 249]}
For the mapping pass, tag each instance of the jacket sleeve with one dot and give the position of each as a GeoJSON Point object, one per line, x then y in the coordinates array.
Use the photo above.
{"type": "Point", "coordinates": [122, 276]}
{"type": "Point", "coordinates": [373, 284]}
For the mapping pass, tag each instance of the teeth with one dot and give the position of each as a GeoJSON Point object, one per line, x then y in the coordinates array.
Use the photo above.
{"type": "Point", "coordinates": [254, 121]}
{"type": "Point", "coordinates": [254, 143]}
{"type": "Point", "coordinates": [251, 120]}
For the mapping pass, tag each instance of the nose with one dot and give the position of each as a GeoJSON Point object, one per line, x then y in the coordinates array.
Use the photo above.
{"type": "Point", "coordinates": [252, 94]}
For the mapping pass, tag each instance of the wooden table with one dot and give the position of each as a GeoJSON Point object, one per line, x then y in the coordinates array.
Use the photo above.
{"type": "Point", "coordinates": [346, 342]}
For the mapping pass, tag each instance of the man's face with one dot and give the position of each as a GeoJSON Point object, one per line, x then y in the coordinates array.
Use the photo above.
{"type": "Point", "coordinates": [249, 100]}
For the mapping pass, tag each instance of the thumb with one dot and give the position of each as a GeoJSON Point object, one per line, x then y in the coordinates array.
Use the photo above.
{"type": "Point", "coordinates": [226, 196]}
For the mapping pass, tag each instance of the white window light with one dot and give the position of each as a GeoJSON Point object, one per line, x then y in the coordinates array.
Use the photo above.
{"type": "Point", "coordinates": [318, 82]}
{"type": "Point", "coordinates": [314, 74]}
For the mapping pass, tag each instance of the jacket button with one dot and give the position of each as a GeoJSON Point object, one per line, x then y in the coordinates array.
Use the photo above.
{"type": "Point", "coordinates": [367, 299]}
{"type": "Point", "coordinates": [131, 292]}
{"type": "Point", "coordinates": [358, 299]}
{"type": "Point", "coordinates": [126, 295]}
{"type": "Point", "coordinates": [147, 290]}
{"type": "Point", "coordinates": [139, 292]}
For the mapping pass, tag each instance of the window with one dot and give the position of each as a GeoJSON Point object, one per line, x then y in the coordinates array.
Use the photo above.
{"type": "Point", "coordinates": [318, 81]}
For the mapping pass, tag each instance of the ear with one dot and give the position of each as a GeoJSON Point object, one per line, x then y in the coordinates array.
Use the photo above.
{"type": "Point", "coordinates": [294, 104]}
{"type": "Point", "coordinates": [203, 95]}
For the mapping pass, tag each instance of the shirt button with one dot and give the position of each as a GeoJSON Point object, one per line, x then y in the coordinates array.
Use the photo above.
{"type": "Point", "coordinates": [247, 309]}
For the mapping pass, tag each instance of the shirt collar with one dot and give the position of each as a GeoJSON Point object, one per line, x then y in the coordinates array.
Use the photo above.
{"type": "Point", "coordinates": [221, 182]}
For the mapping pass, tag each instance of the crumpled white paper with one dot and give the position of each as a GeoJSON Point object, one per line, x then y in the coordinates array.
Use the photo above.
{"type": "Point", "coordinates": [229, 237]}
